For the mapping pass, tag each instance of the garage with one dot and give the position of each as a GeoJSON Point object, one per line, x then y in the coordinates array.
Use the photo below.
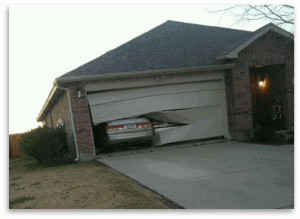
{"type": "Point", "coordinates": [199, 78]}
{"type": "Point", "coordinates": [196, 106]}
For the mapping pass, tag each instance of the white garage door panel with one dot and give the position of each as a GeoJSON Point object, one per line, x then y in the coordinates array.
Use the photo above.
{"type": "Point", "coordinates": [135, 107]}
{"type": "Point", "coordinates": [187, 116]}
{"type": "Point", "coordinates": [112, 96]}
{"type": "Point", "coordinates": [205, 128]}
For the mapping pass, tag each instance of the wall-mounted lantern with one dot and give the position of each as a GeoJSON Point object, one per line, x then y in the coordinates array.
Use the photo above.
{"type": "Point", "coordinates": [261, 83]}
{"type": "Point", "coordinates": [78, 92]}
{"type": "Point", "coordinates": [61, 123]}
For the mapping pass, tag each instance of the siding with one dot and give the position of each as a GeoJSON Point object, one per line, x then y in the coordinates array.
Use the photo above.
{"type": "Point", "coordinates": [61, 110]}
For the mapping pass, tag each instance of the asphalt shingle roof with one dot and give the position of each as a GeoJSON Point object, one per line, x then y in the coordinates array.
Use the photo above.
{"type": "Point", "coordinates": [169, 45]}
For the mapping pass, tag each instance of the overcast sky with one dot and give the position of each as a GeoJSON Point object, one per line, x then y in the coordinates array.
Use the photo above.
{"type": "Point", "coordinates": [46, 41]}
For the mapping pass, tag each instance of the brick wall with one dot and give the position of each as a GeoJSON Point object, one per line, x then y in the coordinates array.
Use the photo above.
{"type": "Point", "coordinates": [270, 49]}
{"type": "Point", "coordinates": [61, 110]}
{"type": "Point", "coordinates": [229, 101]}
{"type": "Point", "coordinates": [82, 122]}
{"type": "Point", "coordinates": [48, 120]}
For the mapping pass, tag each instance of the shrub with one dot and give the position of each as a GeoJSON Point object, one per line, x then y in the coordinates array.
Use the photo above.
{"type": "Point", "coordinates": [44, 144]}
{"type": "Point", "coordinates": [247, 135]}
{"type": "Point", "coordinates": [263, 133]}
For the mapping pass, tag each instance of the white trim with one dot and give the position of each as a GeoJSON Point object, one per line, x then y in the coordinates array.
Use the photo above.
{"type": "Point", "coordinates": [149, 81]}
{"type": "Point", "coordinates": [53, 90]}
{"type": "Point", "coordinates": [142, 73]}
{"type": "Point", "coordinates": [234, 53]}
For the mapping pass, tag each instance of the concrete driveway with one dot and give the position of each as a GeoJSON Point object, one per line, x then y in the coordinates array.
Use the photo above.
{"type": "Point", "coordinates": [226, 175]}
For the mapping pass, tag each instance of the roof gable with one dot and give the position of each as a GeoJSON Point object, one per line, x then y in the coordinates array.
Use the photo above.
{"type": "Point", "coordinates": [254, 36]}
{"type": "Point", "coordinates": [173, 45]}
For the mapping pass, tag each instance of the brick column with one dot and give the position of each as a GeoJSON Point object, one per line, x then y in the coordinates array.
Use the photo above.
{"type": "Point", "coordinates": [290, 89]}
{"type": "Point", "coordinates": [242, 106]}
{"type": "Point", "coordinates": [82, 123]}
{"type": "Point", "coordinates": [229, 101]}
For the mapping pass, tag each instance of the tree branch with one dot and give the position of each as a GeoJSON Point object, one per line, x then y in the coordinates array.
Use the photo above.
{"type": "Point", "coordinates": [278, 16]}
{"type": "Point", "coordinates": [289, 6]}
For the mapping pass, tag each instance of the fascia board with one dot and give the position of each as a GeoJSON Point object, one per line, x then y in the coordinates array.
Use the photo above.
{"type": "Point", "coordinates": [142, 73]}
{"type": "Point", "coordinates": [53, 90]}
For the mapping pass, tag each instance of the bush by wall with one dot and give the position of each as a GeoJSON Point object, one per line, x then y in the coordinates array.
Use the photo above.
{"type": "Point", "coordinates": [14, 147]}
{"type": "Point", "coordinates": [44, 144]}
{"type": "Point", "coordinates": [246, 135]}
{"type": "Point", "coordinates": [263, 133]}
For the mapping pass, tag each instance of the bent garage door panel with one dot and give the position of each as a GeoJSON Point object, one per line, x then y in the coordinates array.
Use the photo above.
{"type": "Point", "coordinates": [187, 116]}
{"type": "Point", "coordinates": [198, 105]}
{"type": "Point", "coordinates": [135, 107]}
{"type": "Point", "coordinates": [127, 94]}
{"type": "Point", "coordinates": [205, 128]}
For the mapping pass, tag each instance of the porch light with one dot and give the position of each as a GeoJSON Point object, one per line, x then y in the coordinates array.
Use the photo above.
{"type": "Point", "coordinates": [78, 93]}
{"type": "Point", "coordinates": [261, 83]}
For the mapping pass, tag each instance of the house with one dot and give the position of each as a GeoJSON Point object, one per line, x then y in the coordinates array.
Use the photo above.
{"type": "Point", "coordinates": [222, 81]}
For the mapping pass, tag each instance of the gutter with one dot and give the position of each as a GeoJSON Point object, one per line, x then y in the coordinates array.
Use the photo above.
{"type": "Point", "coordinates": [142, 73]}
{"type": "Point", "coordinates": [222, 57]}
{"type": "Point", "coordinates": [71, 113]}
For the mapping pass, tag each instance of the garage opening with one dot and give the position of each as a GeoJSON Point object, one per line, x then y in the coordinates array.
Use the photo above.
{"type": "Point", "coordinates": [269, 96]}
{"type": "Point", "coordinates": [176, 112]}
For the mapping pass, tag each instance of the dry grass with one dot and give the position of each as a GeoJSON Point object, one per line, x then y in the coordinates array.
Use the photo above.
{"type": "Point", "coordinates": [87, 185]}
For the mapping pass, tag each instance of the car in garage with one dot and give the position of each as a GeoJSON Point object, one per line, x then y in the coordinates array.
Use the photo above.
{"type": "Point", "coordinates": [117, 133]}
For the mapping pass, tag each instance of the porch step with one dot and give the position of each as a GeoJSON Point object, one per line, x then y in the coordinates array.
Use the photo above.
{"type": "Point", "coordinates": [286, 135]}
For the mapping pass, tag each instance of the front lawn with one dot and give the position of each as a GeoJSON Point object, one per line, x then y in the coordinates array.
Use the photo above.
{"type": "Point", "coordinates": [86, 185]}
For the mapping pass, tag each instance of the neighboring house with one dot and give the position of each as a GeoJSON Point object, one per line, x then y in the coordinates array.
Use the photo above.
{"type": "Point", "coordinates": [207, 77]}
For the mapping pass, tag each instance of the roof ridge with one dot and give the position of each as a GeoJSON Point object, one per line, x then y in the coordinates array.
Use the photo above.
{"type": "Point", "coordinates": [207, 26]}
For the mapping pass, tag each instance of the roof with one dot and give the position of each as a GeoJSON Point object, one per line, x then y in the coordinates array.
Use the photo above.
{"type": "Point", "coordinates": [173, 45]}
{"type": "Point", "coordinates": [169, 45]}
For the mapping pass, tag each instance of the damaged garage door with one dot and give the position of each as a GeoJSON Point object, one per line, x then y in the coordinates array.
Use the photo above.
{"type": "Point", "coordinates": [197, 106]}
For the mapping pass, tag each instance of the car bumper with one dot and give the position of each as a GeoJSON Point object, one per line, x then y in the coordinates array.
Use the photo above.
{"type": "Point", "coordinates": [128, 137]}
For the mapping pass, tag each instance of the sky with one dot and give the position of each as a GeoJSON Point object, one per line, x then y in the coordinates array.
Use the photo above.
{"type": "Point", "coordinates": [47, 41]}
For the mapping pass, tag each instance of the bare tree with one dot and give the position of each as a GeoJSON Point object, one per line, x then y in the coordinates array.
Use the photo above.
{"type": "Point", "coordinates": [280, 15]}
